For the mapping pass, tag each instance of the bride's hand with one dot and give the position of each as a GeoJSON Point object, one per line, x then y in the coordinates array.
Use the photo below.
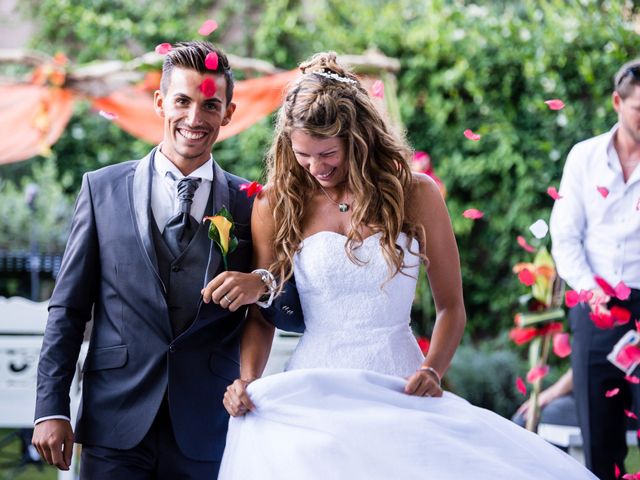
{"type": "Point", "coordinates": [423, 384]}
{"type": "Point", "coordinates": [232, 290]}
{"type": "Point", "coordinates": [236, 400]}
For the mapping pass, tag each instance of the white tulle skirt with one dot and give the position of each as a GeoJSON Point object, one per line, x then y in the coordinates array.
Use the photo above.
{"type": "Point", "coordinates": [329, 424]}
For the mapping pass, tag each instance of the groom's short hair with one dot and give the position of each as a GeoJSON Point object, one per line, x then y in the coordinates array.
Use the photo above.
{"type": "Point", "coordinates": [192, 55]}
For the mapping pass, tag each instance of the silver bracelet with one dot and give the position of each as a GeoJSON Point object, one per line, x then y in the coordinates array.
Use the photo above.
{"type": "Point", "coordinates": [434, 372]}
{"type": "Point", "coordinates": [270, 281]}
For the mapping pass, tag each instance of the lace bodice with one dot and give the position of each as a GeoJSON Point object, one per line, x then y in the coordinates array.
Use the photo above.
{"type": "Point", "coordinates": [355, 315]}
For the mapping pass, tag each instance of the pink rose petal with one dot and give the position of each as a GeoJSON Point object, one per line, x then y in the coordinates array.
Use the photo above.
{"type": "Point", "coordinates": [520, 385]}
{"type": "Point", "coordinates": [620, 315]}
{"type": "Point", "coordinates": [526, 277]}
{"type": "Point", "coordinates": [630, 414]}
{"type": "Point", "coordinates": [561, 345]}
{"type": "Point", "coordinates": [211, 61]}
{"type": "Point", "coordinates": [616, 470]}
{"type": "Point", "coordinates": [553, 193]}
{"type": "Point", "coordinates": [571, 298]}
{"type": "Point", "coordinates": [107, 115]}
{"type": "Point", "coordinates": [604, 285]}
{"type": "Point", "coordinates": [555, 104]}
{"type": "Point", "coordinates": [207, 27]}
{"type": "Point", "coordinates": [536, 373]}
{"type": "Point", "coordinates": [622, 291]}
{"type": "Point", "coordinates": [632, 379]}
{"type": "Point", "coordinates": [523, 243]}
{"type": "Point", "coordinates": [604, 191]}
{"type": "Point", "coordinates": [377, 89]}
{"type": "Point", "coordinates": [629, 355]}
{"type": "Point", "coordinates": [471, 136]}
{"type": "Point", "coordinates": [473, 214]}
{"type": "Point", "coordinates": [163, 48]}
{"type": "Point", "coordinates": [612, 393]}
{"type": "Point", "coordinates": [208, 87]}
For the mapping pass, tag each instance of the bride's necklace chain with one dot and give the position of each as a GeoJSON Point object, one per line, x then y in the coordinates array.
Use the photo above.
{"type": "Point", "coordinates": [342, 206]}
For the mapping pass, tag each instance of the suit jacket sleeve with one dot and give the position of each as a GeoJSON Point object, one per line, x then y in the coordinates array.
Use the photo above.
{"type": "Point", "coordinates": [286, 311]}
{"type": "Point", "coordinates": [70, 309]}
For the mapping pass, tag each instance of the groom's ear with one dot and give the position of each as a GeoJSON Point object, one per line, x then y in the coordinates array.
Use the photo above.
{"type": "Point", "coordinates": [158, 103]}
{"type": "Point", "coordinates": [228, 113]}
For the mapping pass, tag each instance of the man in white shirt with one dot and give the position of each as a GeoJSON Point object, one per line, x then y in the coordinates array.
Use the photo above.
{"type": "Point", "coordinates": [595, 229]}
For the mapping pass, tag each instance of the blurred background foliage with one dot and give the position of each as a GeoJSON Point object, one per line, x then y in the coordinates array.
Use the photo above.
{"type": "Point", "coordinates": [487, 65]}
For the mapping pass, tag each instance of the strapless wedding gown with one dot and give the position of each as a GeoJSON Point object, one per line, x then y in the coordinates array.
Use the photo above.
{"type": "Point", "coordinates": [339, 411]}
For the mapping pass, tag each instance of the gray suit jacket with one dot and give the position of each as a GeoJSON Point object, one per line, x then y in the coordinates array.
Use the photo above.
{"type": "Point", "coordinates": [110, 272]}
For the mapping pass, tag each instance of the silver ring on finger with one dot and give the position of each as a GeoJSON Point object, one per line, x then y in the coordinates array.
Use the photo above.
{"type": "Point", "coordinates": [227, 299]}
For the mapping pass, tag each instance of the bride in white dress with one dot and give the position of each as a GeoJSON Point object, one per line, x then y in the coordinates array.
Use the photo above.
{"type": "Point", "coordinates": [344, 214]}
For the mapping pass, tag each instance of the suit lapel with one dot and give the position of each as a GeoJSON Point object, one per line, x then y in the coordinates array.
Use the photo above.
{"type": "Point", "coordinates": [140, 199]}
{"type": "Point", "coordinates": [220, 192]}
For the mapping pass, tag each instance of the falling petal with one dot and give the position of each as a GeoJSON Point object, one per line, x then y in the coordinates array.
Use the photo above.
{"type": "Point", "coordinates": [536, 373]}
{"type": "Point", "coordinates": [471, 136]}
{"type": "Point", "coordinates": [561, 345]}
{"type": "Point", "coordinates": [585, 295]}
{"type": "Point", "coordinates": [553, 193]}
{"type": "Point", "coordinates": [526, 277]}
{"type": "Point", "coordinates": [571, 298]}
{"type": "Point", "coordinates": [207, 27]}
{"type": "Point", "coordinates": [423, 343]}
{"type": "Point", "coordinates": [211, 61]}
{"type": "Point", "coordinates": [251, 189]}
{"type": "Point", "coordinates": [520, 385]}
{"type": "Point", "coordinates": [522, 335]}
{"type": "Point", "coordinates": [107, 115]}
{"type": "Point", "coordinates": [620, 315]}
{"type": "Point", "coordinates": [612, 393]}
{"type": "Point", "coordinates": [523, 243]}
{"type": "Point", "coordinates": [473, 214]}
{"type": "Point", "coordinates": [208, 87]}
{"type": "Point", "coordinates": [622, 291]}
{"type": "Point", "coordinates": [604, 191]}
{"type": "Point", "coordinates": [632, 379]}
{"type": "Point", "coordinates": [163, 48]}
{"type": "Point", "coordinates": [616, 470]}
{"type": "Point", "coordinates": [630, 414]}
{"type": "Point", "coordinates": [628, 356]}
{"type": "Point", "coordinates": [604, 285]}
{"type": "Point", "coordinates": [602, 319]}
{"type": "Point", "coordinates": [378, 89]}
{"type": "Point", "coordinates": [555, 104]}
{"type": "Point", "coordinates": [539, 229]}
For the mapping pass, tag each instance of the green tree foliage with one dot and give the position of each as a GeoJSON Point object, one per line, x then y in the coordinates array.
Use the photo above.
{"type": "Point", "coordinates": [488, 66]}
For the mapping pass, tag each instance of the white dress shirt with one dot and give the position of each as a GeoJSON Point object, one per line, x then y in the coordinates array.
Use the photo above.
{"type": "Point", "coordinates": [164, 193]}
{"type": "Point", "coordinates": [593, 235]}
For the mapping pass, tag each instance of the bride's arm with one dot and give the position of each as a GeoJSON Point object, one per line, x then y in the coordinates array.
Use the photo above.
{"type": "Point", "coordinates": [258, 333]}
{"type": "Point", "coordinates": [426, 207]}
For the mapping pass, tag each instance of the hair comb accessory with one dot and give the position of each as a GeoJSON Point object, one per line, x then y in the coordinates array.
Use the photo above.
{"type": "Point", "coordinates": [335, 76]}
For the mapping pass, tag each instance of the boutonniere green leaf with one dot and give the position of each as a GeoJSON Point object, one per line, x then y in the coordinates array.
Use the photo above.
{"type": "Point", "coordinates": [221, 232]}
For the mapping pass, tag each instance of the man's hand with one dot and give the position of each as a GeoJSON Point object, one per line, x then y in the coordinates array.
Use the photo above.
{"type": "Point", "coordinates": [236, 399]}
{"type": "Point", "coordinates": [54, 441]}
{"type": "Point", "coordinates": [232, 290]}
{"type": "Point", "coordinates": [599, 300]}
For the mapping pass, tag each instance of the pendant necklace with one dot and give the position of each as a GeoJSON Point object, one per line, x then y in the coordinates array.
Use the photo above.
{"type": "Point", "coordinates": [342, 206]}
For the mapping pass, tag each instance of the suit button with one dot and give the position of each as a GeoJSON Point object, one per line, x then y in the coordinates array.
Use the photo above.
{"type": "Point", "coordinates": [176, 268]}
{"type": "Point", "coordinates": [172, 349]}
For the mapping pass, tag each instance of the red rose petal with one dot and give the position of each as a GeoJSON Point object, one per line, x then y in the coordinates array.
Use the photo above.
{"type": "Point", "coordinates": [622, 292]}
{"type": "Point", "coordinates": [555, 104]}
{"type": "Point", "coordinates": [612, 393]}
{"type": "Point", "coordinates": [520, 385]}
{"type": "Point", "coordinates": [536, 373]}
{"type": "Point", "coordinates": [377, 89]}
{"type": "Point", "coordinates": [553, 193]}
{"type": "Point", "coordinates": [423, 343]}
{"type": "Point", "coordinates": [107, 115]}
{"type": "Point", "coordinates": [616, 470]}
{"type": "Point", "coordinates": [521, 335]}
{"type": "Point", "coordinates": [620, 315]}
{"type": "Point", "coordinates": [251, 189]}
{"type": "Point", "coordinates": [523, 243]}
{"type": "Point", "coordinates": [571, 298]}
{"type": "Point", "coordinates": [163, 48]}
{"type": "Point", "coordinates": [471, 136]}
{"type": "Point", "coordinates": [211, 61]}
{"type": "Point", "coordinates": [604, 191]}
{"type": "Point", "coordinates": [561, 345]}
{"type": "Point", "coordinates": [473, 214]}
{"type": "Point", "coordinates": [208, 87]}
{"type": "Point", "coordinates": [601, 319]}
{"type": "Point", "coordinates": [207, 27]}
{"type": "Point", "coordinates": [604, 285]}
{"type": "Point", "coordinates": [526, 277]}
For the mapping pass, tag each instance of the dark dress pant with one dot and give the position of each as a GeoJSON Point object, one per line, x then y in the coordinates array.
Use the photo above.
{"type": "Point", "coordinates": [602, 419]}
{"type": "Point", "coordinates": [156, 457]}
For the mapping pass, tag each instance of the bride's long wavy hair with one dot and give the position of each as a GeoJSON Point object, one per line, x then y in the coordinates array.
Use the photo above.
{"type": "Point", "coordinates": [333, 104]}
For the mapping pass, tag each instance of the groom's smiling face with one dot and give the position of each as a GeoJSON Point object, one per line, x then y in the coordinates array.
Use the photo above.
{"type": "Point", "coordinates": [192, 116]}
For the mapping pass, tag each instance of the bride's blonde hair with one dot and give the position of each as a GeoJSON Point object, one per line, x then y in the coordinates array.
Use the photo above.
{"type": "Point", "coordinates": [328, 101]}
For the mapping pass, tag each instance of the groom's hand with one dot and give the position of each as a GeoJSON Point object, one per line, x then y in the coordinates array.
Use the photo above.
{"type": "Point", "coordinates": [54, 441]}
{"type": "Point", "coordinates": [231, 290]}
{"type": "Point", "coordinates": [236, 399]}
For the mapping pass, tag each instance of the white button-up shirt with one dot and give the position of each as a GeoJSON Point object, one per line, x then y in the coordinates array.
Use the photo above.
{"type": "Point", "coordinates": [164, 189]}
{"type": "Point", "coordinates": [591, 234]}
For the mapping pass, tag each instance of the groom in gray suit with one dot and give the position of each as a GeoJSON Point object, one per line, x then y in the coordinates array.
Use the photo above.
{"type": "Point", "coordinates": [159, 358]}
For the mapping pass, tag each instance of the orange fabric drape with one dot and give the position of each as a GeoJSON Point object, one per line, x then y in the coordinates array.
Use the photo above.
{"type": "Point", "coordinates": [32, 118]}
{"type": "Point", "coordinates": [255, 98]}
